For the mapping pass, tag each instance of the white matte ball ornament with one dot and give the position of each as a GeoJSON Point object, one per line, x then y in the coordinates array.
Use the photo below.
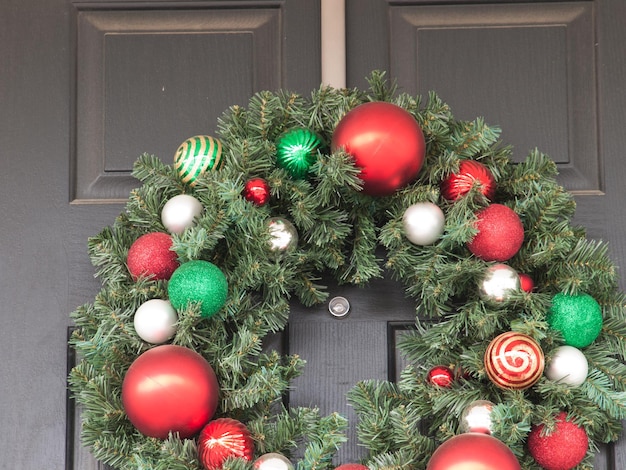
{"type": "Point", "coordinates": [180, 213]}
{"type": "Point", "coordinates": [498, 282]}
{"type": "Point", "coordinates": [568, 366]}
{"type": "Point", "coordinates": [155, 321]}
{"type": "Point", "coordinates": [423, 223]}
{"type": "Point", "coordinates": [272, 461]}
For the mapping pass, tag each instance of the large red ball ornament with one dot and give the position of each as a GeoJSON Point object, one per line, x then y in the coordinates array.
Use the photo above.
{"type": "Point", "coordinates": [151, 256]}
{"type": "Point", "coordinates": [500, 234]}
{"type": "Point", "coordinates": [563, 449]}
{"type": "Point", "coordinates": [473, 451]}
{"type": "Point", "coordinates": [470, 173]}
{"type": "Point", "coordinates": [170, 389]}
{"type": "Point", "coordinates": [386, 143]}
{"type": "Point", "coordinates": [221, 439]}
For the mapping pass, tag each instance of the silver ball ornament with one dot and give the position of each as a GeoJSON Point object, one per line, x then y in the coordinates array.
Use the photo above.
{"type": "Point", "coordinates": [155, 321]}
{"type": "Point", "coordinates": [180, 213]}
{"type": "Point", "coordinates": [498, 282]}
{"type": "Point", "coordinates": [283, 234]}
{"type": "Point", "coordinates": [476, 417]}
{"type": "Point", "coordinates": [568, 365]}
{"type": "Point", "coordinates": [272, 461]}
{"type": "Point", "coordinates": [423, 223]}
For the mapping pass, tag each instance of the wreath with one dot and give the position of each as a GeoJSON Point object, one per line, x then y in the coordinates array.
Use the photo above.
{"type": "Point", "coordinates": [517, 358]}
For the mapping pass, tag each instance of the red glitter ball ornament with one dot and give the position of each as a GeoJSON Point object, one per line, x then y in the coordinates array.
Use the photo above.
{"type": "Point", "coordinates": [564, 449]}
{"type": "Point", "coordinates": [473, 451]}
{"type": "Point", "coordinates": [151, 256]}
{"type": "Point", "coordinates": [221, 439]}
{"type": "Point", "coordinates": [170, 389]}
{"type": "Point", "coordinates": [440, 376]}
{"type": "Point", "coordinates": [500, 234]}
{"type": "Point", "coordinates": [386, 143]}
{"type": "Point", "coordinates": [470, 173]}
{"type": "Point", "coordinates": [351, 466]}
{"type": "Point", "coordinates": [257, 191]}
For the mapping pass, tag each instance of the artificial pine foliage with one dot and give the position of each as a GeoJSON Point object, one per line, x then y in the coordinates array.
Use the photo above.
{"type": "Point", "coordinates": [340, 230]}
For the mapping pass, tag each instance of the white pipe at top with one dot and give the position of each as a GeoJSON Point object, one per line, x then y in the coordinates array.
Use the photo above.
{"type": "Point", "coordinates": [334, 43]}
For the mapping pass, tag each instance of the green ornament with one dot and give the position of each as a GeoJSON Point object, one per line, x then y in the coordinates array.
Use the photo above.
{"type": "Point", "coordinates": [577, 317]}
{"type": "Point", "coordinates": [197, 155]}
{"type": "Point", "coordinates": [296, 151]}
{"type": "Point", "coordinates": [198, 282]}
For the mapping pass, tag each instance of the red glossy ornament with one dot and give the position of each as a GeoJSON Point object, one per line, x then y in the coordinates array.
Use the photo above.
{"type": "Point", "coordinates": [151, 256]}
{"type": "Point", "coordinates": [500, 234]}
{"type": "Point", "coordinates": [473, 451]}
{"type": "Point", "coordinates": [257, 191]}
{"type": "Point", "coordinates": [386, 143]}
{"type": "Point", "coordinates": [351, 466]}
{"type": "Point", "coordinates": [526, 282]}
{"type": "Point", "coordinates": [440, 376]}
{"type": "Point", "coordinates": [170, 389]}
{"type": "Point", "coordinates": [223, 438]}
{"type": "Point", "coordinates": [514, 361]}
{"type": "Point", "coordinates": [564, 449]}
{"type": "Point", "coordinates": [470, 173]}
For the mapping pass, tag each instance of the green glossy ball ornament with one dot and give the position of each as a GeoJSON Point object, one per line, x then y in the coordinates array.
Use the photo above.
{"type": "Point", "coordinates": [296, 151]}
{"type": "Point", "coordinates": [197, 155]}
{"type": "Point", "coordinates": [199, 282]}
{"type": "Point", "coordinates": [577, 317]}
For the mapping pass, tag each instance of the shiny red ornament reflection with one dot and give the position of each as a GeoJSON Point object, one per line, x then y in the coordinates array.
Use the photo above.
{"type": "Point", "coordinates": [470, 173]}
{"type": "Point", "coordinates": [221, 439]}
{"type": "Point", "coordinates": [441, 376]}
{"type": "Point", "coordinates": [170, 389]}
{"type": "Point", "coordinates": [257, 191]}
{"type": "Point", "coordinates": [473, 451]}
{"type": "Point", "coordinates": [386, 143]}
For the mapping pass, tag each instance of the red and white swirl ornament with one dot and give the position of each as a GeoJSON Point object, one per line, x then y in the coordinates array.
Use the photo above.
{"type": "Point", "coordinates": [514, 361]}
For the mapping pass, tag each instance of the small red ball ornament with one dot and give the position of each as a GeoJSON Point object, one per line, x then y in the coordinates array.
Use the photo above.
{"type": "Point", "coordinates": [514, 361]}
{"type": "Point", "coordinates": [473, 451]}
{"type": "Point", "coordinates": [564, 449]}
{"type": "Point", "coordinates": [500, 234]}
{"type": "Point", "coordinates": [257, 191]}
{"type": "Point", "coordinates": [386, 143]}
{"type": "Point", "coordinates": [526, 282]}
{"type": "Point", "coordinates": [351, 466]}
{"type": "Point", "coordinates": [170, 388]}
{"type": "Point", "coordinates": [470, 173]}
{"type": "Point", "coordinates": [151, 256]}
{"type": "Point", "coordinates": [440, 376]}
{"type": "Point", "coordinates": [221, 439]}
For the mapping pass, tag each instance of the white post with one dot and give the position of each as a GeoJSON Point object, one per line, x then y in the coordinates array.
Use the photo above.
{"type": "Point", "coordinates": [334, 43]}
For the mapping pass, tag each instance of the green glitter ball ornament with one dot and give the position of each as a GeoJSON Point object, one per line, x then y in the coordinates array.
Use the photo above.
{"type": "Point", "coordinates": [577, 317]}
{"type": "Point", "coordinates": [198, 282]}
{"type": "Point", "coordinates": [296, 151]}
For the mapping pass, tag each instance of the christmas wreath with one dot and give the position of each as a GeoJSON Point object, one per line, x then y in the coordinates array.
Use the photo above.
{"type": "Point", "coordinates": [517, 358]}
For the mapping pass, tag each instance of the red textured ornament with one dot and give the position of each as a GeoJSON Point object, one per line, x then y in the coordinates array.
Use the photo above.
{"type": "Point", "coordinates": [500, 234]}
{"type": "Point", "coordinates": [514, 361]}
{"type": "Point", "coordinates": [526, 282]}
{"type": "Point", "coordinates": [257, 191]}
{"type": "Point", "coordinates": [564, 449]}
{"type": "Point", "coordinates": [386, 143]}
{"type": "Point", "coordinates": [473, 451]}
{"type": "Point", "coordinates": [223, 438]}
{"type": "Point", "coordinates": [440, 376]}
{"type": "Point", "coordinates": [470, 173]}
{"type": "Point", "coordinates": [351, 466]}
{"type": "Point", "coordinates": [151, 256]}
{"type": "Point", "coordinates": [170, 389]}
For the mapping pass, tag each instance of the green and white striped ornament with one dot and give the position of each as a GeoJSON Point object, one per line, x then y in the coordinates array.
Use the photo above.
{"type": "Point", "coordinates": [197, 155]}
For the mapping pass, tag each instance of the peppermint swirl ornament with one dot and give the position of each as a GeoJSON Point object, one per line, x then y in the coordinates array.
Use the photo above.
{"type": "Point", "coordinates": [514, 361]}
{"type": "Point", "coordinates": [196, 155]}
{"type": "Point", "coordinates": [296, 151]}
